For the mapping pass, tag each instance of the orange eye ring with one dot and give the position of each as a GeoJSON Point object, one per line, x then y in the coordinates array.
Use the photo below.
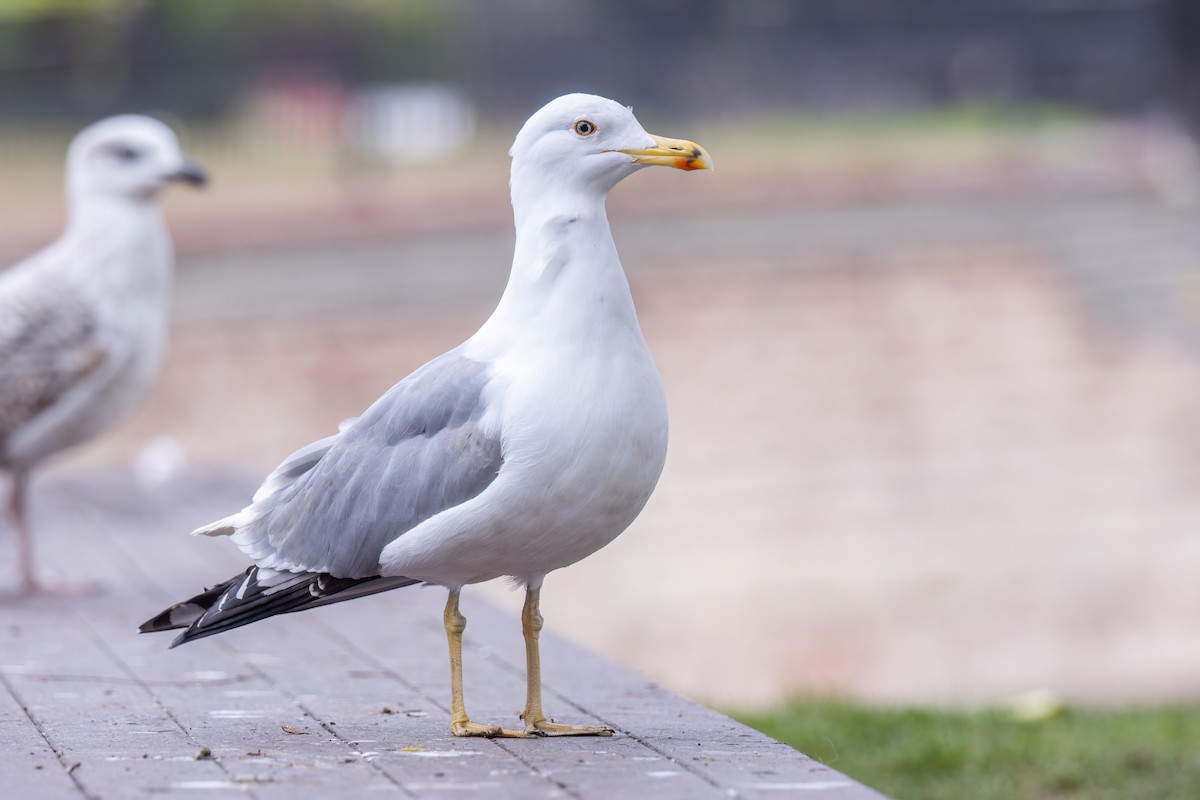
{"type": "Point", "coordinates": [584, 127]}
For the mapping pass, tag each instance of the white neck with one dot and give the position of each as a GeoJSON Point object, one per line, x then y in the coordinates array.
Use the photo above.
{"type": "Point", "coordinates": [92, 211]}
{"type": "Point", "coordinates": [126, 241]}
{"type": "Point", "coordinates": [566, 284]}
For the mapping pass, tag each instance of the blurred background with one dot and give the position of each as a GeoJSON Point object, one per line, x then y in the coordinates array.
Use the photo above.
{"type": "Point", "coordinates": [929, 333]}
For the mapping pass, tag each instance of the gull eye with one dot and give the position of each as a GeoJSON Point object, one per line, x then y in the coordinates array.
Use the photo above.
{"type": "Point", "coordinates": [585, 127]}
{"type": "Point", "coordinates": [125, 153]}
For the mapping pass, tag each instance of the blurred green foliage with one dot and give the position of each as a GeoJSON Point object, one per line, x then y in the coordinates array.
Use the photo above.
{"type": "Point", "coordinates": [926, 754]}
{"type": "Point", "coordinates": [225, 13]}
{"type": "Point", "coordinates": [78, 58]}
{"type": "Point", "coordinates": [35, 9]}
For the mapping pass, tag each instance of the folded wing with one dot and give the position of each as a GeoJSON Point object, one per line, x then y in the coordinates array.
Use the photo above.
{"type": "Point", "coordinates": [319, 523]}
{"type": "Point", "coordinates": [55, 356]}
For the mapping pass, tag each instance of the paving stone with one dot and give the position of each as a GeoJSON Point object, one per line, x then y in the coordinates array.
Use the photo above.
{"type": "Point", "coordinates": [296, 705]}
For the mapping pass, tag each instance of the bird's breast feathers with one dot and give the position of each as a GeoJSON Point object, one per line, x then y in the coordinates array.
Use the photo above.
{"type": "Point", "coordinates": [575, 473]}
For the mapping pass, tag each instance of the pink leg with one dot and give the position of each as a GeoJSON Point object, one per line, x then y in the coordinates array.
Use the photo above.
{"type": "Point", "coordinates": [17, 508]}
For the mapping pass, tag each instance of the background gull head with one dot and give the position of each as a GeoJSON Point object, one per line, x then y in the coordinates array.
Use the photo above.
{"type": "Point", "coordinates": [128, 157]}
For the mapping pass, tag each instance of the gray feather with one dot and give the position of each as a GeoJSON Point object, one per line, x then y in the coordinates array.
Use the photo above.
{"type": "Point", "coordinates": [416, 452]}
{"type": "Point", "coordinates": [50, 346]}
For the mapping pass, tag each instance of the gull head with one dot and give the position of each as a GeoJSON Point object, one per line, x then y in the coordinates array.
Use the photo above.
{"type": "Point", "coordinates": [583, 142]}
{"type": "Point", "coordinates": [128, 156]}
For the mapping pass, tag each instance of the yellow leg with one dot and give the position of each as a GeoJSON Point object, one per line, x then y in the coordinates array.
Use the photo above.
{"type": "Point", "coordinates": [536, 723]}
{"type": "Point", "coordinates": [460, 724]}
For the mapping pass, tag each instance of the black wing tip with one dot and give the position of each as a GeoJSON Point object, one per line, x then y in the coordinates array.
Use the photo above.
{"type": "Point", "coordinates": [185, 613]}
{"type": "Point", "coordinates": [159, 622]}
{"type": "Point", "coordinates": [204, 615]}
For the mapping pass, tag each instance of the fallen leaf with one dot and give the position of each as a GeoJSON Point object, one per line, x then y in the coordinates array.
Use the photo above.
{"type": "Point", "coordinates": [416, 749]}
{"type": "Point", "coordinates": [293, 731]}
{"type": "Point", "coordinates": [203, 754]}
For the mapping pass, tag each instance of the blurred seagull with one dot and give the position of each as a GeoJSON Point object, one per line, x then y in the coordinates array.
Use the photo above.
{"type": "Point", "coordinates": [528, 447]}
{"type": "Point", "coordinates": [83, 322]}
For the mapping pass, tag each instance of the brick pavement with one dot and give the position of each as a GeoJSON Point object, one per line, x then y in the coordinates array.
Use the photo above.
{"type": "Point", "coordinates": [343, 702]}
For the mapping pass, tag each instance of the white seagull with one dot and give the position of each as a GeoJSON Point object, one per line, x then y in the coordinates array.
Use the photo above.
{"type": "Point", "coordinates": [84, 321]}
{"type": "Point", "coordinates": [526, 448]}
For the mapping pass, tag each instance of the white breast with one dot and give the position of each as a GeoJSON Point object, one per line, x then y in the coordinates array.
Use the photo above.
{"type": "Point", "coordinates": [575, 475]}
{"type": "Point", "coordinates": [579, 408]}
{"type": "Point", "coordinates": [124, 274]}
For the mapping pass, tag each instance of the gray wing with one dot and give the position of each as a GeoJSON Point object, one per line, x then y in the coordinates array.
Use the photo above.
{"type": "Point", "coordinates": [333, 506]}
{"type": "Point", "coordinates": [51, 348]}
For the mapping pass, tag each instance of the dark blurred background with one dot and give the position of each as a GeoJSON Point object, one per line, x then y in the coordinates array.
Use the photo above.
{"type": "Point", "coordinates": [73, 59]}
{"type": "Point", "coordinates": [928, 332]}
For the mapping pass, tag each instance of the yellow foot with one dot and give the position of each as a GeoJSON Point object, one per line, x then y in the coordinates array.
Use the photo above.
{"type": "Point", "coordinates": [544, 727]}
{"type": "Point", "coordinates": [468, 728]}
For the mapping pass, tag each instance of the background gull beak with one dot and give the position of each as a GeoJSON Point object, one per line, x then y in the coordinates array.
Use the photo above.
{"type": "Point", "coordinates": [190, 172]}
{"type": "Point", "coordinates": [678, 153]}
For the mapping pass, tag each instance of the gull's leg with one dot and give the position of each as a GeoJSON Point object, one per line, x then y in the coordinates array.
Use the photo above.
{"type": "Point", "coordinates": [460, 724]}
{"type": "Point", "coordinates": [536, 723]}
{"type": "Point", "coordinates": [17, 509]}
{"type": "Point", "coordinates": [29, 584]}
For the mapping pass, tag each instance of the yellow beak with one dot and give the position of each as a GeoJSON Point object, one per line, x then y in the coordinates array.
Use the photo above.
{"type": "Point", "coordinates": [677, 153]}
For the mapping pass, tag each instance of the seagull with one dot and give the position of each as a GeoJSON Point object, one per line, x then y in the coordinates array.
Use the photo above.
{"type": "Point", "coordinates": [521, 451]}
{"type": "Point", "coordinates": [83, 322]}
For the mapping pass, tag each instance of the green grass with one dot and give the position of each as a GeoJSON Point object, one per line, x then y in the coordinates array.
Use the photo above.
{"type": "Point", "coordinates": [920, 754]}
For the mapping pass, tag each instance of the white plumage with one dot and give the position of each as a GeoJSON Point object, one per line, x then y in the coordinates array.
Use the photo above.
{"type": "Point", "coordinates": [83, 322]}
{"type": "Point", "coordinates": [525, 449]}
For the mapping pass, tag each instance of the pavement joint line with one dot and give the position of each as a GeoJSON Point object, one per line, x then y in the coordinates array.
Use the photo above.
{"type": "Point", "coordinates": [500, 743]}
{"type": "Point", "coordinates": [127, 563]}
{"type": "Point", "coordinates": [518, 670]}
{"type": "Point", "coordinates": [183, 684]}
{"type": "Point", "coordinates": [391, 673]}
{"type": "Point", "coordinates": [89, 630]}
{"type": "Point", "coordinates": [263, 675]}
{"type": "Point", "coordinates": [69, 769]}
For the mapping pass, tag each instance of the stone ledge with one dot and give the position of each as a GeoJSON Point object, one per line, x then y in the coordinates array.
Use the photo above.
{"type": "Point", "coordinates": [344, 700]}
